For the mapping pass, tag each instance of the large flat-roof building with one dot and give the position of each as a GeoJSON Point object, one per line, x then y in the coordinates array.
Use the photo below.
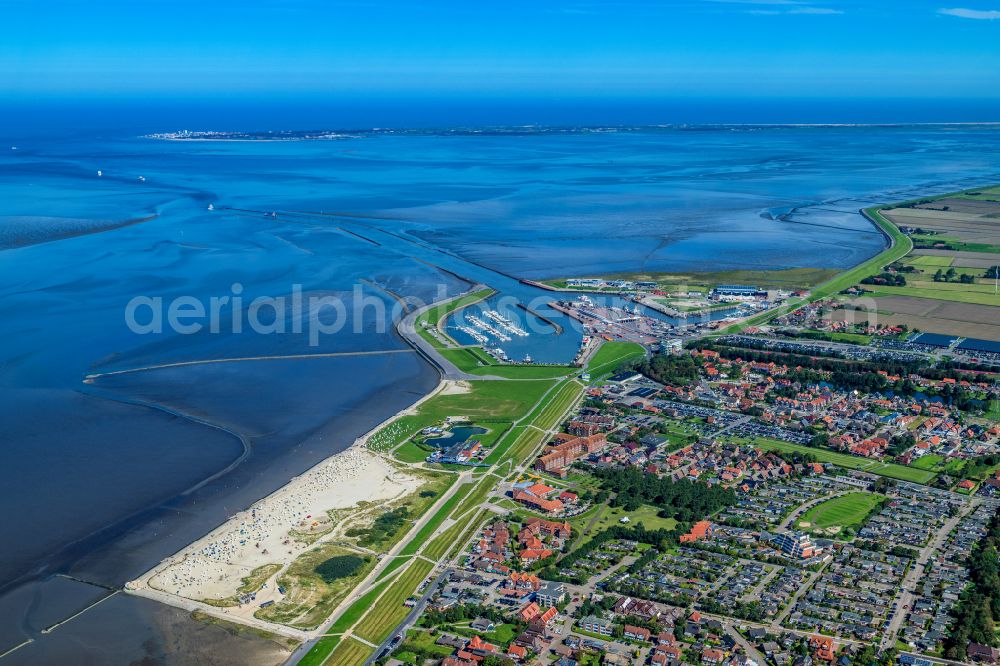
{"type": "Point", "coordinates": [796, 544]}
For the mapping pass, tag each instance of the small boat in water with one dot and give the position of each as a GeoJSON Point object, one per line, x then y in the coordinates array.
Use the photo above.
{"type": "Point", "coordinates": [99, 173]}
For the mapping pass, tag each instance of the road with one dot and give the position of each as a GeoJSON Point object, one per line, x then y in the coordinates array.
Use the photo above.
{"type": "Point", "coordinates": [449, 563]}
{"type": "Point", "coordinates": [775, 625]}
{"type": "Point", "coordinates": [750, 650]}
{"type": "Point", "coordinates": [906, 597]}
{"type": "Point", "coordinates": [411, 618]}
{"type": "Point", "coordinates": [408, 331]}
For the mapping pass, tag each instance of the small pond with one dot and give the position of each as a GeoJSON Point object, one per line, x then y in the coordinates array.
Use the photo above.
{"type": "Point", "coordinates": [455, 436]}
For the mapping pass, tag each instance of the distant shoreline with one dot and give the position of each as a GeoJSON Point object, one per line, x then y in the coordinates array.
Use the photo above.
{"type": "Point", "coordinates": [517, 130]}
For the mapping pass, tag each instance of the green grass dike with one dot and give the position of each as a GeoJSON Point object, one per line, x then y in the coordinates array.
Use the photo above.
{"type": "Point", "coordinates": [899, 245]}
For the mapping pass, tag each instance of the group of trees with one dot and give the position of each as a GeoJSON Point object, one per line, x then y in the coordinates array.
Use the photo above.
{"type": "Point", "coordinates": [992, 272]}
{"type": "Point", "coordinates": [949, 276]}
{"type": "Point", "coordinates": [974, 619]}
{"type": "Point", "coordinates": [679, 370]}
{"type": "Point", "coordinates": [340, 566]}
{"type": "Point", "coordinates": [435, 617]}
{"type": "Point", "coordinates": [745, 610]}
{"type": "Point", "coordinates": [891, 279]}
{"type": "Point", "coordinates": [683, 499]}
{"type": "Point", "coordinates": [901, 443]}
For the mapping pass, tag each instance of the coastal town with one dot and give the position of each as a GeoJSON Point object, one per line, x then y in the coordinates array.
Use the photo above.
{"type": "Point", "coordinates": [826, 540]}
{"type": "Point", "coordinates": [763, 484]}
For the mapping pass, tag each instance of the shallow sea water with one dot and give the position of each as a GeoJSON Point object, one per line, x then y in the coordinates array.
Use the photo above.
{"type": "Point", "coordinates": [93, 476]}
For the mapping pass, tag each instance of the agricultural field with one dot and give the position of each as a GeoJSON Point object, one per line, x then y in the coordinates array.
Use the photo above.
{"type": "Point", "coordinates": [845, 511]}
{"type": "Point", "coordinates": [923, 314]}
{"type": "Point", "coordinates": [978, 293]}
{"type": "Point", "coordinates": [925, 261]}
{"type": "Point", "coordinates": [956, 234]}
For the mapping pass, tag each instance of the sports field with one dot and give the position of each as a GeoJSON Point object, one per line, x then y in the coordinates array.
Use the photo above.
{"type": "Point", "coordinates": [844, 511]}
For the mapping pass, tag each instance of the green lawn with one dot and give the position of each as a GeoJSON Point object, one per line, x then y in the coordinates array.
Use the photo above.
{"type": "Point", "coordinates": [501, 635]}
{"type": "Point", "coordinates": [844, 511]}
{"type": "Point", "coordinates": [613, 354]}
{"type": "Point", "coordinates": [930, 461]}
{"type": "Point", "coordinates": [320, 651]}
{"type": "Point", "coordinates": [786, 278]}
{"type": "Point", "coordinates": [486, 400]}
{"type": "Point", "coordinates": [422, 641]}
{"type": "Point", "coordinates": [981, 194]}
{"type": "Point", "coordinates": [411, 452]}
{"type": "Point", "coordinates": [994, 411]}
{"type": "Point", "coordinates": [436, 313]}
{"type": "Point", "coordinates": [392, 566]}
{"type": "Point", "coordinates": [891, 470]}
{"type": "Point", "coordinates": [467, 359]}
{"type": "Point", "coordinates": [612, 516]}
{"type": "Point", "coordinates": [524, 371]}
{"type": "Point", "coordinates": [414, 544]}
{"type": "Point", "coordinates": [452, 537]}
{"type": "Point", "coordinates": [481, 490]}
{"type": "Point", "coordinates": [852, 338]}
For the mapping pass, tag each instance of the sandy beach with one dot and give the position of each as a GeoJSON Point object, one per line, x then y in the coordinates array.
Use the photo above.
{"type": "Point", "coordinates": [213, 567]}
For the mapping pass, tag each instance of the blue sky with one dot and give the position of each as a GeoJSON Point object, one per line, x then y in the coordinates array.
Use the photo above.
{"type": "Point", "coordinates": [708, 48]}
